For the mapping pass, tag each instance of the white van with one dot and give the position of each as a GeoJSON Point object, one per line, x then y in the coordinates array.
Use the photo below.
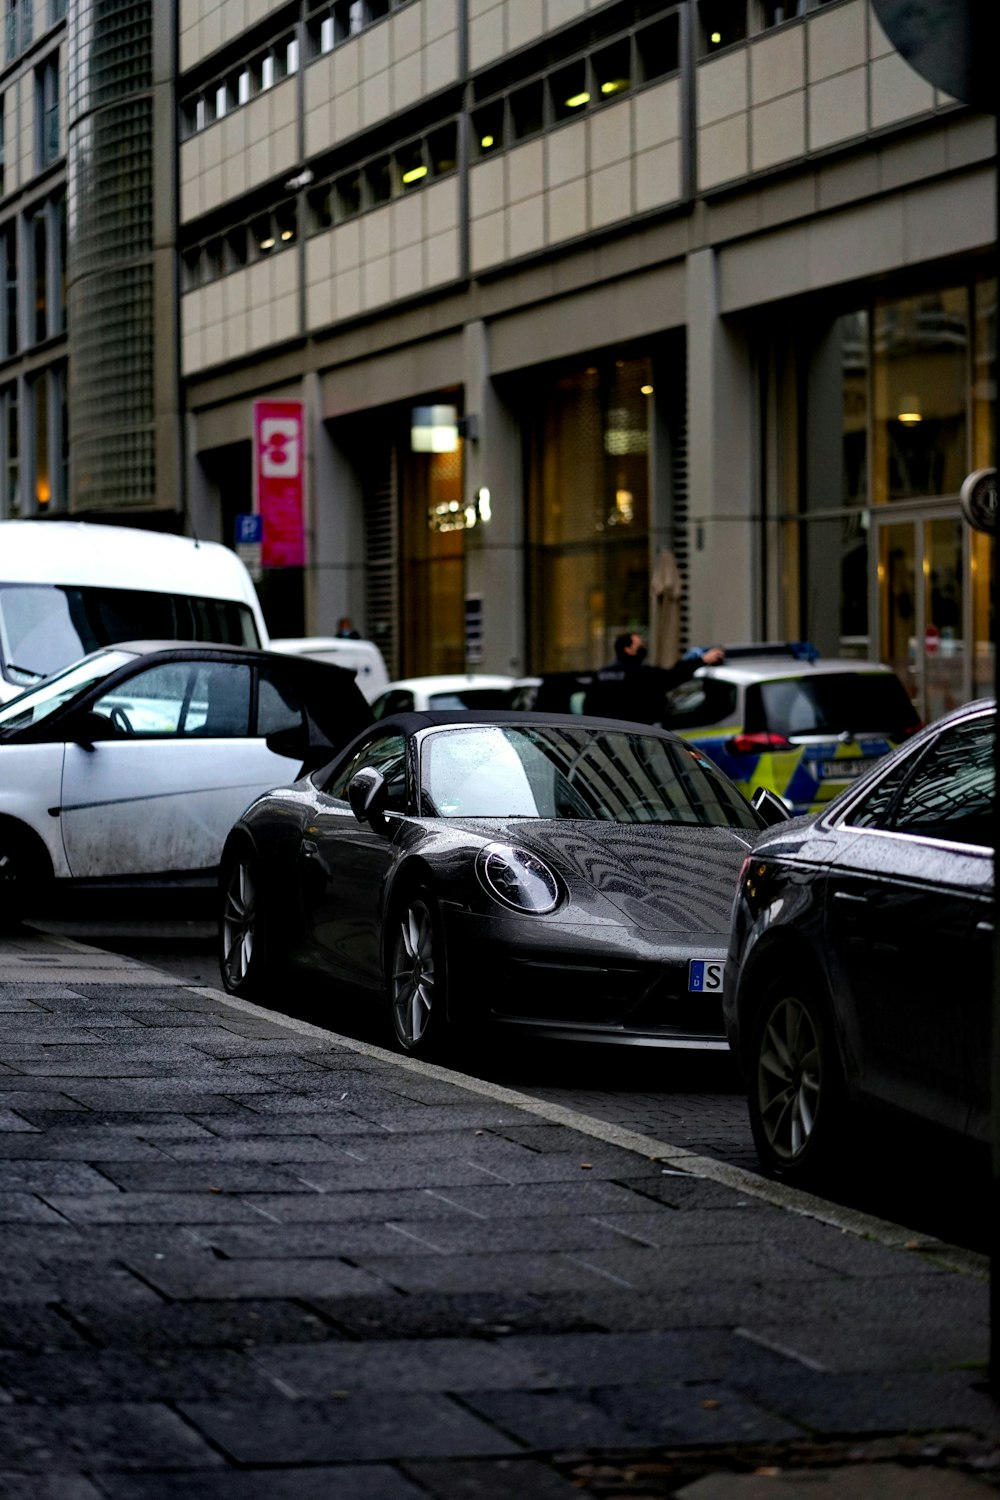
{"type": "Point", "coordinates": [363, 658]}
{"type": "Point", "coordinates": [68, 587]}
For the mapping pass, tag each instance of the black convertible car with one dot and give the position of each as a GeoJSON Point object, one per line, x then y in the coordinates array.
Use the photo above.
{"type": "Point", "coordinates": [566, 874]}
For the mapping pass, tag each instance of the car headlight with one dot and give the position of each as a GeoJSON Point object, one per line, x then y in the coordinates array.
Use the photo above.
{"type": "Point", "coordinates": [518, 878]}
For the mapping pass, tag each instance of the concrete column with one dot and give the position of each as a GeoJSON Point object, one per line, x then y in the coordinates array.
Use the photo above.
{"type": "Point", "coordinates": [204, 513]}
{"type": "Point", "coordinates": [722, 466]}
{"type": "Point", "coordinates": [335, 573]}
{"type": "Point", "coordinates": [494, 550]}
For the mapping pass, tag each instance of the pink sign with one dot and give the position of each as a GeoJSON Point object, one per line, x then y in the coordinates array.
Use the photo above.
{"type": "Point", "coordinates": [279, 481]}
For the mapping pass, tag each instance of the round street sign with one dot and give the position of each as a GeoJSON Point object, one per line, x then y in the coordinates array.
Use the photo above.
{"type": "Point", "coordinates": [979, 499]}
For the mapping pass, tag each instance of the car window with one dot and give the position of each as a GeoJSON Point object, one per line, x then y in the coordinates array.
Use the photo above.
{"type": "Point", "coordinates": [36, 704]}
{"type": "Point", "coordinates": [873, 810]}
{"type": "Point", "coordinates": [950, 793]}
{"type": "Point", "coordinates": [396, 701]}
{"type": "Point", "coordinates": [207, 699]}
{"type": "Point", "coordinates": [486, 698]}
{"type": "Point", "coordinates": [278, 705]}
{"type": "Point", "coordinates": [831, 703]}
{"type": "Point", "coordinates": [386, 754]}
{"type": "Point", "coordinates": [703, 700]}
{"type": "Point", "coordinates": [494, 771]}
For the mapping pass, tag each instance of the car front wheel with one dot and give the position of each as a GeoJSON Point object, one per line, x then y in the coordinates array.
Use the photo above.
{"type": "Point", "coordinates": [796, 1093]}
{"type": "Point", "coordinates": [417, 976]}
{"type": "Point", "coordinates": [243, 936]}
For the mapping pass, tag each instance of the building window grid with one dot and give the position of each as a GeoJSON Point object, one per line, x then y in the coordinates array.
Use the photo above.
{"type": "Point", "coordinates": [576, 85]}
{"type": "Point", "coordinates": [369, 184]}
{"type": "Point", "coordinates": [726, 23]}
{"type": "Point", "coordinates": [20, 27]}
{"type": "Point", "coordinates": [254, 75]}
{"type": "Point", "coordinates": [331, 25]}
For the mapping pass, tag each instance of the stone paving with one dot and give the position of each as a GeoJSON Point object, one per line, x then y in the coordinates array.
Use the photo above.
{"type": "Point", "coordinates": [245, 1257]}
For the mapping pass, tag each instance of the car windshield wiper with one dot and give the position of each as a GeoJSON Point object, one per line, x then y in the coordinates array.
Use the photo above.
{"type": "Point", "coordinates": [25, 671]}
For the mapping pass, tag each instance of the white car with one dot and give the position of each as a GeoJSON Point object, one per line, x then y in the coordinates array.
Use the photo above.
{"type": "Point", "coordinates": [457, 690]}
{"type": "Point", "coordinates": [363, 658]}
{"type": "Point", "coordinates": [131, 766]}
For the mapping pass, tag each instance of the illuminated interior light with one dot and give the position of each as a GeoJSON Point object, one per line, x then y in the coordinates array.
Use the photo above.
{"type": "Point", "coordinates": [647, 390]}
{"type": "Point", "coordinates": [614, 85]}
{"type": "Point", "coordinates": [286, 234]}
{"type": "Point", "coordinates": [414, 174]}
{"type": "Point", "coordinates": [576, 100]}
{"type": "Point", "coordinates": [909, 418]}
{"type": "Point", "coordinates": [486, 142]}
{"type": "Point", "coordinates": [267, 244]}
{"type": "Point", "coordinates": [715, 38]}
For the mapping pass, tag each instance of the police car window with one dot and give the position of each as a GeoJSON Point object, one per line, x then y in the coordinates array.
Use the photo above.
{"type": "Point", "coordinates": [831, 703]}
{"type": "Point", "coordinates": [703, 700]}
{"type": "Point", "coordinates": [950, 794]}
{"type": "Point", "coordinates": [387, 755]}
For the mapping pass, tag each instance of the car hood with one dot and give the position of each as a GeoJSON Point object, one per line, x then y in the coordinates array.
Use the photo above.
{"type": "Point", "coordinates": [663, 877]}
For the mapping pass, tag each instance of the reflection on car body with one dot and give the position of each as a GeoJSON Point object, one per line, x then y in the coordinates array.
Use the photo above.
{"type": "Point", "coordinates": [859, 966]}
{"type": "Point", "coordinates": [131, 765]}
{"type": "Point", "coordinates": [541, 871]}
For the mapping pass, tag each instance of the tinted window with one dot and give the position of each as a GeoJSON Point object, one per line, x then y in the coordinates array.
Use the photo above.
{"type": "Point", "coordinates": [278, 706]}
{"type": "Point", "coordinates": [950, 794]}
{"type": "Point", "coordinates": [703, 700]}
{"type": "Point", "coordinates": [873, 811]}
{"type": "Point", "coordinates": [42, 628]}
{"type": "Point", "coordinates": [387, 755]}
{"type": "Point", "coordinates": [494, 771]}
{"type": "Point", "coordinates": [475, 698]}
{"type": "Point", "coordinates": [207, 699]}
{"type": "Point", "coordinates": [831, 703]}
{"type": "Point", "coordinates": [34, 706]}
{"type": "Point", "coordinates": [396, 701]}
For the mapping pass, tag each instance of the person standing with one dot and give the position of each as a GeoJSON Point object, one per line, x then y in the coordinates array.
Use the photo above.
{"type": "Point", "coordinates": [629, 688]}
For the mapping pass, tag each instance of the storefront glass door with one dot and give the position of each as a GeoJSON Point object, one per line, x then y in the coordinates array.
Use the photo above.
{"type": "Point", "coordinates": [924, 611]}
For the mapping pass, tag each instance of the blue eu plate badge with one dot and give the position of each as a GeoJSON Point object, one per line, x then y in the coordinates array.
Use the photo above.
{"type": "Point", "coordinates": [705, 976]}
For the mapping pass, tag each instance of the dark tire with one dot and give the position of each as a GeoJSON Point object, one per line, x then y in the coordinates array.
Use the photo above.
{"type": "Point", "coordinates": [245, 953]}
{"type": "Point", "coordinates": [795, 1086]}
{"type": "Point", "coordinates": [417, 976]}
{"type": "Point", "coordinates": [23, 875]}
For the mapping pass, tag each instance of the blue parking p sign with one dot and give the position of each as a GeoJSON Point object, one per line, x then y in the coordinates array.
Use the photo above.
{"type": "Point", "coordinates": [249, 530]}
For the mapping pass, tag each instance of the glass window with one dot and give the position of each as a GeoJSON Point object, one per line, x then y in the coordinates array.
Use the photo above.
{"type": "Point", "coordinates": [613, 69]}
{"type": "Point", "coordinates": [347, 196]}
{"type": "Point", "coordinates": [397, 701]}
{"type": "Point", "coordinates": [47, 99]}
{"type": "Point", "coordinates": [984, 376]}
{"type": "Point", "coordinates": [442, 148]}
{"type": "Point", "coordinates": [3, 147]}
{"type": "Point", "coordinates": [8, 252]}
{"type": "Point", "coordinates": [488, 127]}
{"type": "Point", "coordinates": [722, 23]}
{"type": "Point", "coordinates": [378, 180]}
{"type": "Point", "coordinates": [833, 565]}
{"type": "Point", "coordinates": [39, 397]}
{"type": "Point", "coordinates": [831, 703]}
{"type": "Point", "coordinates": [920, 385]}
{"type": "Point", "coordinates": [411, 168]}
{"type": "Point", "coordinates": [278, 705]}
{"type": "Point", "coordinates": [387, 755]}
{"type": "Point", "coordinates": [39, 240]}
{"type": "Point", "coordinates": [10, 499]}
{"type": "Point", "coordinates": [950, 794]}
{"type": "Point", "coordinates": [207, 699]}
{"type": "Point", "coordinates": [527, 110]}
{"type": "Point", "coordinates": [31, 707]}
{"type": "Point", "coordinates": [570, 90]}
{"type": "Point", "coordinates": [873, 810]}
{"type": "Point", "coordinates": [703, 700]}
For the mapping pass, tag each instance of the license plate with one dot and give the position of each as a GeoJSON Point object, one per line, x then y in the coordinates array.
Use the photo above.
{"type": "Point", "coordinates": [843, 770]}
{"type": "Point", "coordinates": [705, 976]}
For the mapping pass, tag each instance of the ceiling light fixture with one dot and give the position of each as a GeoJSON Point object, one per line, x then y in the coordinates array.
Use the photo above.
{"type": "Point", "coordinates": [575, 101]}
{"type": "Point", "coordinates": [414, 174]}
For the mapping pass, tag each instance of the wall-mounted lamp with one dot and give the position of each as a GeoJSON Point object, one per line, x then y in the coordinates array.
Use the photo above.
{"type": "Point", "coordinates": [434, 429]}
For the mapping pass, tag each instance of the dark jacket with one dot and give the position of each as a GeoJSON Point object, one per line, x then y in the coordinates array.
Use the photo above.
{"type": "Point", "coordinates": [636, 691]}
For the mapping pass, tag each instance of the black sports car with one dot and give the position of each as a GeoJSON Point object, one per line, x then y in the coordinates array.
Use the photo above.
{"type": "Point", "coordinates": [567, 874]}
{"type": "Point", "coordinates": [860, 960]}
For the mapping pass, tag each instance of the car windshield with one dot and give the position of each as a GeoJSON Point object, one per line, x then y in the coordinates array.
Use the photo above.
{"type": "Point", "coordinates": [543, 771]}
{"type": "Point", "coordinates": [831, 703]}
{"type": "Point", "coordinates": [44, 627]}
{"type": "Point", "coordinates": [37, 703]}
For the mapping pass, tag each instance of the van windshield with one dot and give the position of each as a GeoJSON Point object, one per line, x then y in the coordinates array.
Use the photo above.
{"type": "Point", "coordinates": [44, 627]}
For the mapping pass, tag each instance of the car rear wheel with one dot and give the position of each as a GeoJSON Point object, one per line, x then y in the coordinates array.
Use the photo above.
{"type": "Point", "coordinates": [796, 1091]}
{"type": "Point", "coordinates": [243, 936]}
{"type": "Point", "coordinates": [417, 976]}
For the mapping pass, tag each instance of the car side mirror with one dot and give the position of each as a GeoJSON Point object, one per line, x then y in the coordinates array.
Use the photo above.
{"type": "Point", "coordinates": [293, 742]}
{"type": "Point", "coordinates": [368, 793]}
{"type": "Point", "coordinates": [87, 729]}
{"type": "Point", "coordinates": [769, 807]}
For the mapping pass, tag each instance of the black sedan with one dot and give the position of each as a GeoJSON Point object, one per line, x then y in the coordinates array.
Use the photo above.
{"type": "Point", "coordinates": [859, 968]}
{"type": "Point", "coordinates": [569, 875]}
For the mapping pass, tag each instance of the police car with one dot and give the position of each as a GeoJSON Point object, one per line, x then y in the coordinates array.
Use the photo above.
{"type": "Point", "coordinates": [780, 716]}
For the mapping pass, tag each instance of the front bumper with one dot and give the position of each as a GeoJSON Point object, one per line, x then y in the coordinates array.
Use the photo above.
{"type": "Point", "coordinates": [602, 981]}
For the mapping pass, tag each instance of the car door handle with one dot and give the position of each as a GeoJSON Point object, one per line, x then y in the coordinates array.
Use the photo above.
{"type": "Point", "coordinates": [849, 898]}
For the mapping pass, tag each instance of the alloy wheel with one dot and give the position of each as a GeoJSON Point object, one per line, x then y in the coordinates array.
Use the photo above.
{"type": "Point", "coordinates": [413, 974]}
{"type": "Point", "coordinates": [238, 922]}
{"type": "Point", "coordinates": [788, 1079]}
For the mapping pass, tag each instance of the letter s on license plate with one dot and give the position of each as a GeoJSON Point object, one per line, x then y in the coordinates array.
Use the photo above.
{"type": "Point", "coordinates": [705, 976]}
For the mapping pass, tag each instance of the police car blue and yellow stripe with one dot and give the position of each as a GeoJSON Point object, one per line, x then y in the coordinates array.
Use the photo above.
{"type": "Point", "coordinates": [805, 776]}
